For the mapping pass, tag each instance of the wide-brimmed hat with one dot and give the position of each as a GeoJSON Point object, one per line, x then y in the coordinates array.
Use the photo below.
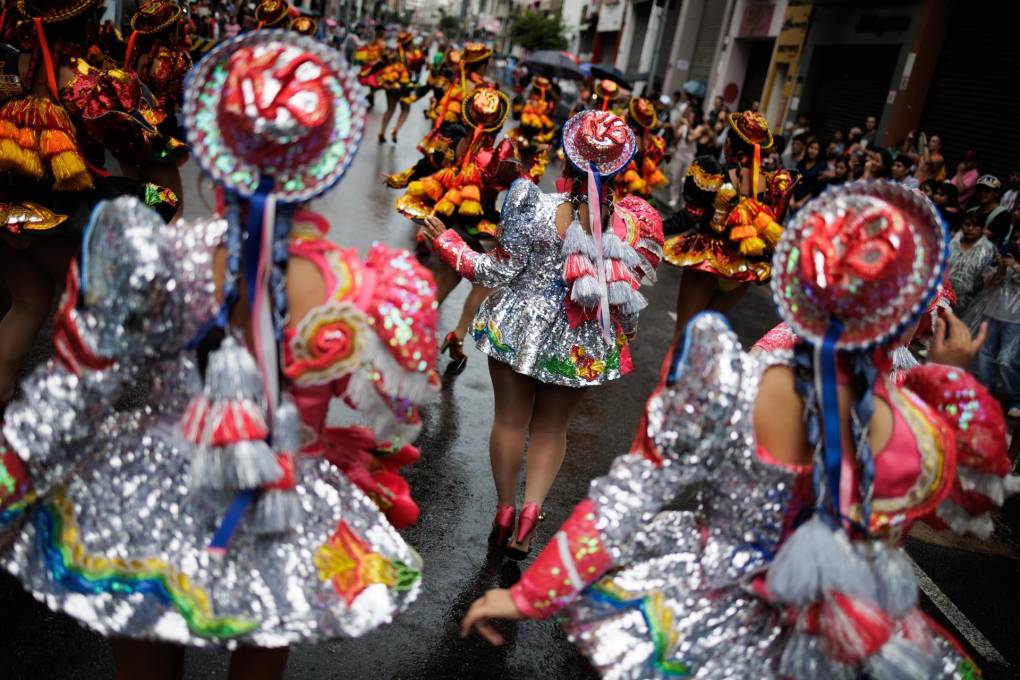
{"type": "Point", "coordinates": [487, 107]}
{"type": "Point", "coordinates": [752, 127]}
{"type": "Point", "coordinates": [154, 16]}
{"type": "Point", "coordinates": [607, 89]}
{"type": "Point", "coordinates": [475, 52]}
{"type": "Point", "coordinates": [304, 25]}
{"type": "Point", "coordinates": [53, 11]}
{"type": "Point", "coordinates": [601, 139]}
{"type": "Point", "coordinates": [860, 263]}
{"type": "Point", "coordinates": [272, 13]}
{"type": "Point", "coordinates": [276, 109]}
{"type": "Point", "coordinates": [704, 179]}
{"type": "Point", "coordinates": [642, 112]}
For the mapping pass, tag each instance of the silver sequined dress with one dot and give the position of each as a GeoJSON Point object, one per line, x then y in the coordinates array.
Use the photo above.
{"type": "Point", "coordinates": [115, 538]}
{"type": "Point", "coordinates": [524, 322]}
{"type": "Point", "coordinates": [686, 597]}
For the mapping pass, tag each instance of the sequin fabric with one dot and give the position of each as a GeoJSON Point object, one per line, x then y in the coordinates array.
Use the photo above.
{"type": "Point", "coordinates": [686, 599]}
{"type": "Point", "coordinates": [117, 539]}
{"type": "Point", "coordinates": [524, 322]}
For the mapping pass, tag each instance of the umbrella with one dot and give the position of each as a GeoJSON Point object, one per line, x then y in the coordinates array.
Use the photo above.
{"type": "Point", "coordinates": [695, 88]}
{"type": "Point", "coordinates": [553, 64]}
{"type": "Point", "coordinates": [610, 72]}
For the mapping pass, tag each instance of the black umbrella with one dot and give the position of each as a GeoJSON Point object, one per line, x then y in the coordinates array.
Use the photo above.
{"type": "Point", "coordinates": [610, 72]}
{"type": "Point", "coordinates": [553, 64]}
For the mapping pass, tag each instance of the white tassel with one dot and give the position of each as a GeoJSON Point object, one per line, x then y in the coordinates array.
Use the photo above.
{"type": "Point", "coordinates": [896, 581]}
{"type": "Point", "coordinates": [803, 659]}
{"type": "Point", "coordinates": [960, 521]}
{"type": "Point", "coordinates": [206, 470]}
{"type": "Point", "coordinates": [249, 465]}
{"type": "Point", "coordinates": [585, 292]}
{"type": "Point", "coordinates": [814, 560]}
{"type": "Point", "coordinates": [620, 293]}
{"type": "Point", "coordinates": [636, 303]}
{"type": "Point", "coordinates": [612, 246]}
{"type": "Point", "coordinates": [630, 257]}
{"type": "Point", "coordinates": [576, 240]}
{"type": "Point", "coordinates": [898, 659]}
{"type": "Point", "coordinates": [276, 511]}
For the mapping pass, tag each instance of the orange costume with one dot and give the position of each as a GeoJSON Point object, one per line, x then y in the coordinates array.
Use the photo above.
{"type": "Point", "coordinates": [643, 174]}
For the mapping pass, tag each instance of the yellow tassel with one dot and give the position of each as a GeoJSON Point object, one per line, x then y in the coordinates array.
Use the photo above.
{"type": "Point", "coordinates": [70, 172]}
{"type": "Point", "coordinates": [53, 142]}
{"type": "Point", "coordinates": [752, 246]}
{"type": "Point", "coordinates": [399, 180]}
{"type": "Point", "coordinates": [453, 196]}
{"type": "Point", "coordinates": [773, 232]}
{"type": "Point", "coordinates": [487, 227]}
{"type": "Point", "coordinates": [23, 161]}
{"type": "Point", "coordinates": [742, 232]}
{"type": "Point", "coordinates": [432, 188]}
{"type": "Point", "coordinates": [416, 189]}
{"type": "Point", "coordinates": [470, 208]}
{"type": "Point", "coordinates": [444, 207]}
{"type": "Point", "coordinates": [471, 193]}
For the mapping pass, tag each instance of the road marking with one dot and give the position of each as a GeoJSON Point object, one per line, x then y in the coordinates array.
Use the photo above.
{"type": "Point", "coordinates": [959, 620]}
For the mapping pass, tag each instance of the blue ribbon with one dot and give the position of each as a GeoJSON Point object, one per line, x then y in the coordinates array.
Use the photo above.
{"type": "Point", "coordinates": [253, 238]}
{"type": "Point", "coordinates": [235, 513]}
{"type": "Point", "coordinates": [832, 441]}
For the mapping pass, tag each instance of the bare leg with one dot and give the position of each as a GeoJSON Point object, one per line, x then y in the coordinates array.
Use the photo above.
{"type": "Point", "coordinates": [31, 299]}
{"type": "Point", "coordinates": [258, 663]}
{"type": "Point", "coordinates": [472, 302]}
{"type": "Point", "coordinates": [724, 300]}
{"type": "Point", "coordinates": [547, 446]}
{"type": "Point", "coordinates": [140, 660]}
{"type": "Point", "coordinates": [696, 290]}
{"type": "Point", "coordinates": [446, 281]}
{"type": "Point", "coordinates": [405, 110]}
{"type": "Point", "coordinates": [391, 107]}
{"type": "Point", "coordinates": [514, 397]}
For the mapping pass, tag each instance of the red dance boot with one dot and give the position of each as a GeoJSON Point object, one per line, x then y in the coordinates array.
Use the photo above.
{"type": "Point", "coordinates": [502, 525]}
{"type": "Point", "coordinates": [531, 515]}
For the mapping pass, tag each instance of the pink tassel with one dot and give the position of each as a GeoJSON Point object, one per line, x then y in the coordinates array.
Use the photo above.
{"type": "Point", "coordinates": [852, 629]}
{"type": "Point", "coordinates": [577, 266]}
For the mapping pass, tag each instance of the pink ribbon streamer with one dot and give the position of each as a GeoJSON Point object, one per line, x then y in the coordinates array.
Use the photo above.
{"type": "Point", "coordinates": [595, 225]}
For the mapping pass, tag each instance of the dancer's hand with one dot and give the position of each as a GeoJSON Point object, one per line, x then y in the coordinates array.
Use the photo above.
{"type": "Point", "coordinates": [495, 604]}
{"type": "Point", "coordinates": [433, 227]}
{"type": "Point", "coordinates": [953, 344]}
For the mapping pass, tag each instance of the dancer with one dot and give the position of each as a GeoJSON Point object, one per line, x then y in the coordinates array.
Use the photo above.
{"type": "Point", "coordinates": [726, 237]}
{"type": "Point", "coordinates": [228, 514]}
{"type": "Point", "coordinates": [534, 135]}
{"type": "Point", "coordinates": [396, 79]}
{"type": "Point", "coordinates": [465, 194]}
{"type": "Point", "coordinates": [156, 52]}
{"type": "Point", "coordinates": [644, 173]}
{"type": "Point", "coordinates": [370, 57]}
{"type": "Point", "coordinates": [813, 465]}
{"type": "Point", "coordinates": [565, 309]}
{"type": "Point", "coordinates": [59, 116]}
{"type": "Point", "coordinates": [272, 14]}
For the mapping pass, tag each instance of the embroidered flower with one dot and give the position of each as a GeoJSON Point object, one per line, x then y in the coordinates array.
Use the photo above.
{"type": "Point", "coordinates": [351, 566]}
{"type": "Point", "coordinates": [327, 345]}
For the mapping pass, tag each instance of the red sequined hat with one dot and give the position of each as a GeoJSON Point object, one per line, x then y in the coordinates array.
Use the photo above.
{"type": "Point", "coordinates": [274, 105]}
{"type": "Point", "coordinates": [869, 255]}
{"type": "Point", "coordinates": [642, 112]}
{"type": "Point", "coordinates": [155, 16]}
{"type": "Point", "coordinates": [486, 107]}
{"type": "Point", "coordinates": [53, 11]}
{"type": "Point", "coordinates": [599, 138]}
{"type": "Point", "coordinates": [272, 13]}
{"type": "Point", "coordinates": [752, 127]}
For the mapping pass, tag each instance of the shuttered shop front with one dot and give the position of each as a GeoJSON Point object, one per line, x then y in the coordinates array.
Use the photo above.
{"type": "Point", "coordinates": [974, 97]}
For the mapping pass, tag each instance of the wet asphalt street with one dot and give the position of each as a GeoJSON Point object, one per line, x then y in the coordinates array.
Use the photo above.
{"type": "Point", "coordinates": [453, 486]}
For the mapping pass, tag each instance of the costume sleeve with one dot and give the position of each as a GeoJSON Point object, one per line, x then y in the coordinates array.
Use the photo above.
{"type": "Point", "coordinates": [500, 266]}
{"type": "Point", "coordinates": [973, 419]}
{"type": "Point", "coordinates": [685, 427]}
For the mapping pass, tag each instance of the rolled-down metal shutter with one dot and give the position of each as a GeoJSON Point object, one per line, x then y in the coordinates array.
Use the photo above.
{"type": "Point", "coordinates": [708, 38]}
{"type": "Point", "coordinates": [973, 100]}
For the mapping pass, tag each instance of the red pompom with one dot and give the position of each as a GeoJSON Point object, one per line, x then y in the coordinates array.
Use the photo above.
{"type": "Point", "coordinates": [577, 266]}
{"type": "Point", "coordinates": [851, 629]}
